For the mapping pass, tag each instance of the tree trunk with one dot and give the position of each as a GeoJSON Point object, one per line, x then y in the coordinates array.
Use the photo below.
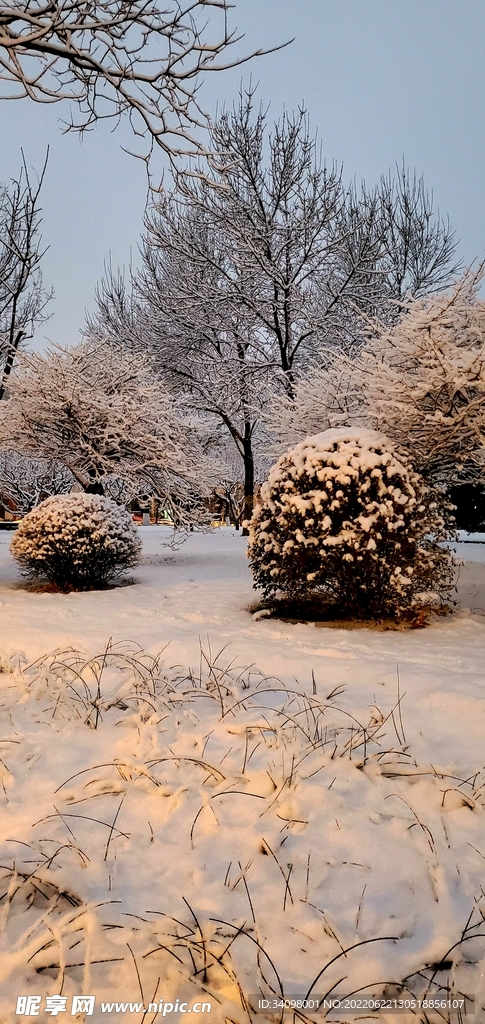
{"type": "Point", "coordinates": [11, 353]}
{"type": "Point", "coordinates": [94, 486]}
{"type": "Point", "coordinates": [155, 509]}
{"type": "Point", "coordinates": [248, 481]}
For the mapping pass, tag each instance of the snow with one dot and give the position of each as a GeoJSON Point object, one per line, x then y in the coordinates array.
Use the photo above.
{"type": "Point", "coordinates": [364, 436]}
{"type": "Point", "coordinates": [471, 538]}
{"type": "Point", "coordinates": [270, 817]}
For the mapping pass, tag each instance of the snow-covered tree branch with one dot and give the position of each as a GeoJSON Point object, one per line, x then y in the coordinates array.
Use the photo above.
{"type": "Point", "coordinates": [26, 481]}
{"type": "Point", "coordinates": [111, 58]}
{"type": "Point", "coordinates": [247, 275]}
{"type": "Point", "coordinates": [104, 414]}
{"type": "Point", "coordinates": [421, 381]}
{"type": "Point", "coordinates": [420, 250]}
{"type": "Point", "coordinates": [23, 299]}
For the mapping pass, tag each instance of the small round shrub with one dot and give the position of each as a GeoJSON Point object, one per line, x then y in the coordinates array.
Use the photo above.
{"type": "Point", "coordinates": [344, 522]}
{"type": "Point", "coordinates": [76, 541]}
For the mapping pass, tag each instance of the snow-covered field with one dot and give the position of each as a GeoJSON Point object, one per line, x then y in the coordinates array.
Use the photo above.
{"type": "Point", "coordinates": [231, 818]}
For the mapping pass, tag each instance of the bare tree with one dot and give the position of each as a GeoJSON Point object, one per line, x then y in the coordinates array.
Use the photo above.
{"type": "Point", "coordinates": [291, 248]}
{"type": "Point", "coordinates": [227, 298]}
{"type": "Point", "coordinates": [23, 299]}
{"type": "Point", "coordinates": [109, 58]}
{"type": "Point", "coordinates": [229, 497]}
{"type": "Point", "coordinates": [276, 213]}
{"type": "Point", "coordinates": [245, 277]}
{"type": "Point", "coordinates": [207, 351]}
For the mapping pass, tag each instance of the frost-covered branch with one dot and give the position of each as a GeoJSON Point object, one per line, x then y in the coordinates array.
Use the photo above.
{"type": "Point", "coordinates": [25, 482]}
{"type": "Point", "coordinates": [104, 415]}
{"type": "Point", "coordinates": [247, 275]}
{"type": "Point", "coordinates": [420, 253]}
{"type": "Point", "coordinates": [110, 58]}
{"type": "Point", "coordinates": [23, 299]}
{"type": "Point", "coordinates": [421, 381]}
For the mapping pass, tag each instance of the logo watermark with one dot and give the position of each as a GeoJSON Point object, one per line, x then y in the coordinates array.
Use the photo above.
{"type": "Point", "coordinates": [30, 1006]}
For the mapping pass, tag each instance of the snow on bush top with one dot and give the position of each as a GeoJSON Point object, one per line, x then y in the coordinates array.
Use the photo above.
{"type": "Point", "coordinates": [76, 539]}
{"type": "Point", "coordinates": [344, 514]}
{"type": "Point", "coordinates": [342, 452]}
{"type": "Point", "coordinates": [340, 456]}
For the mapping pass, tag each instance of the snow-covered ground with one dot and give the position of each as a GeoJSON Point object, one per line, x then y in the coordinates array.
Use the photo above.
{"type": "Point", "coordinates": [471, 538]}
{"type": "Point", "coordinates": [229, 820]}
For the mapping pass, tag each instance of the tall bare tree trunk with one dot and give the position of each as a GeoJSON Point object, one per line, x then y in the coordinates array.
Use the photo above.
{"type": "Point", "coordinates": [248, 479]}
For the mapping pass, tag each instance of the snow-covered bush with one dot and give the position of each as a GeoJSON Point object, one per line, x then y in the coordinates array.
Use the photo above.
{"type": "Point", "coordinates": [76, 541]}
{"type": "Point", "coordinates": [345, 521]}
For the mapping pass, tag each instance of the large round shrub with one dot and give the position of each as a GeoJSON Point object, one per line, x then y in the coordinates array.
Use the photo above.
{"type": "Point", "coordinates": [345, 521]}
{"type": "Point", "coordinates": [76, 541]}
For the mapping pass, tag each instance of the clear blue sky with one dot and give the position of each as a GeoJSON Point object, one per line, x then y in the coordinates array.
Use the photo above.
{"type": "Point", "coordinates": [381, 79]}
